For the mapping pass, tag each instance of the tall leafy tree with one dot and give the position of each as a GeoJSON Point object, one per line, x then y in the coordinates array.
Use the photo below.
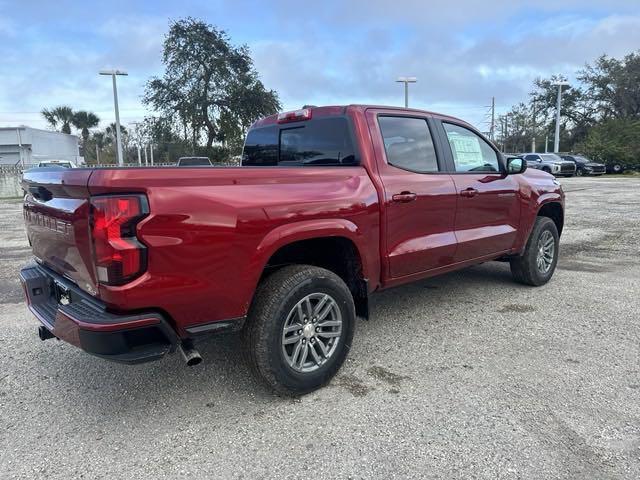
{"type": "Point", "coordinates": [209, 84]}
{"type": "Point", "coordinates": [61, 116]}
{"type": "Point", "coordinates": [613, 86]}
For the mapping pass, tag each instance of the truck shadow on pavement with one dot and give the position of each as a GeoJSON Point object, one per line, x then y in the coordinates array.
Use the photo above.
{"type": "Point", "coordinates": [224, 381]}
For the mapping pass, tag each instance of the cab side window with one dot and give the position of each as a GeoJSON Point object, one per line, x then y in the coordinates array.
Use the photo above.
{"type": "Point", "coordinates": [408, 143]}
{"type": "Point", "coordinates": [471, 153]}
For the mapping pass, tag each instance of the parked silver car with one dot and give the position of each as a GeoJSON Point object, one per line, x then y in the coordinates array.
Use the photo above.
{"type": "Point", "coordinates": [550, 162]}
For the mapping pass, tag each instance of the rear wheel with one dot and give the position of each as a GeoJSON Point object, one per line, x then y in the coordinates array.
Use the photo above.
{"type": "Point", "coordinates": [537, 264]}
{"type": "Point", "coordinates": [300, 328]}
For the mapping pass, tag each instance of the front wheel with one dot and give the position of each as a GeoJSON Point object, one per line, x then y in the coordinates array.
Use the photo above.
{"type": "Point", "coordinates": [300, 328]}
{"type": "Point", "coordinates": [537, 264]}
{"type": "Point", "coordinates": [579, 172]}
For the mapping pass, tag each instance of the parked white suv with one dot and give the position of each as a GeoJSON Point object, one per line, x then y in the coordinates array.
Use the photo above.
{"type": "Point", "coordinates": [56, 163]}
{"type": "Point", "coordinates": [551, 163]}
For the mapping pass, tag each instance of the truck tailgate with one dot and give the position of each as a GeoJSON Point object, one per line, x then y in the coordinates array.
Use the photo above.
{"type": "Point", "coordinates": [56, 214]}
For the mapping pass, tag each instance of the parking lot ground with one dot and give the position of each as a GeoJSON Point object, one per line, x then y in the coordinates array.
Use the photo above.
{"type": "Point", "coordinates": [468, 375]}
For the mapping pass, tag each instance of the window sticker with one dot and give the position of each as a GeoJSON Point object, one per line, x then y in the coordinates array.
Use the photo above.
{"type": "Point", "coordinates": [467, 149]}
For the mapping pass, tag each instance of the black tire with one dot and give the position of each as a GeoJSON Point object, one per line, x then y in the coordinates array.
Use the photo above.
{"type": "Point", "coordinates": [546, 169]}
{"type": "Point", "coordinates": [525, 268]}
{"type": "Point", "coordinates": [275, 298]}
{"type": "Point", "coordinates": [579, 172]}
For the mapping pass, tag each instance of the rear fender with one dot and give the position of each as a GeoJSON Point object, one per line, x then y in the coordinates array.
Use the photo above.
{"type": "Point", "coordinates": [307, 230]}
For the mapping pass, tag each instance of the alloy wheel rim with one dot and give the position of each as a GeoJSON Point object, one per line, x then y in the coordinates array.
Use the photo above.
{"type": "Point", "coordinates": [546, 252]}
{"type": "Point", "coordinates": [311, 332]}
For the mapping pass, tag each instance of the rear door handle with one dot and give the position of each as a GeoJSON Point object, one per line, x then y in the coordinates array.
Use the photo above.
{"type": "Point", "coordinates": [469, 192]}
{"type": "Point", "coordinates": [404, 197]}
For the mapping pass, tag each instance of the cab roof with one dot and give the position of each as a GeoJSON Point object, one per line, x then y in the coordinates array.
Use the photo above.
{"type": "Point", "coordinates": [337, 110]}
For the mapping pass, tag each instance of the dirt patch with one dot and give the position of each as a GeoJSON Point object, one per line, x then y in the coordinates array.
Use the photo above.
{"type": "Point", "coordinates": [576, 266]}
{"type": "Point", "coordinates": [517, 308]}
{"type": "Point", "coordinates": [381, 373]}
{"type": "Point", "coordinates": [353, 385]}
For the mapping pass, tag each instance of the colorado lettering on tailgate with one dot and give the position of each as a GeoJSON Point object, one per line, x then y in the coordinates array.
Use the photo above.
{"type": "Point", "coordinates": [45, 221]}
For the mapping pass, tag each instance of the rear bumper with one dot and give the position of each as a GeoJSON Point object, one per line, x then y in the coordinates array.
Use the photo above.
{"type": "Point", "coordinates": [81, 320]}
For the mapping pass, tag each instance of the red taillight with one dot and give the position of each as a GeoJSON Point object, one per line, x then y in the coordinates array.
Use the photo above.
{"type": "Point", "coordinates": [295, 116]}
{"type": "Point", "coordinates": [119, 256]}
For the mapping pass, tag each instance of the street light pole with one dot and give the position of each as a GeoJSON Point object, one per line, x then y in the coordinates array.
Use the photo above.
{"type": "Point", "coordinates": [406, 81]}
{"type": "Point", "coordinates": [556, 141]}
{"type": "Point", "coordinates": [113, 74]}
{"type": "Point", "coordinates": [136, 125]}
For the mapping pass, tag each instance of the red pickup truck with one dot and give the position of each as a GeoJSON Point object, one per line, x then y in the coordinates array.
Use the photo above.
{"type": "Point", "coordinates": [330, 205]}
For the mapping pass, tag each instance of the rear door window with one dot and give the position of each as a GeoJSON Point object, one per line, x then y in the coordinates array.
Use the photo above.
{"type": "Point", "coordinates": [408, 143]}
{"type": "Point", "coordinates": [323, 141]}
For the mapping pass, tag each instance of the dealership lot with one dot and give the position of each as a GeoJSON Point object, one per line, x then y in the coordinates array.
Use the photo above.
{"type": "Point", "coordinates": [467, 375]}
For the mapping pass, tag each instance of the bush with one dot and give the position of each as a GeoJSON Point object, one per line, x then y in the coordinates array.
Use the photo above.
{"type": "Point", "coordinates": [614, 141]}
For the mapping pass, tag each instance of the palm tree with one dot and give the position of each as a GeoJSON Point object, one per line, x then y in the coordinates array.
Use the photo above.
{"type": "Point", "coordinates": [83, 121]}
{"type": "Point", "coordinates": [111, 130]}
{"type": "Point", "coordinates": [101, 140]}
{"type": "Point", "coordinates": [49, 116]}
{"type": "Point", "coordinates": [62, 115]}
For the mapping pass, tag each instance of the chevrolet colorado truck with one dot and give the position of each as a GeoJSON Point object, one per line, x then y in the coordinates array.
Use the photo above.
{"type": "Point", "coordinates": [330, 205]}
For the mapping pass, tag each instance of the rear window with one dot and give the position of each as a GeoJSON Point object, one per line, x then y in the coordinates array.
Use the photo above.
{"type": "Point", "coordinates": [55, 164]}
{"type": "Point", "coordinates": [194, 162]}
{"type": "Point", "coordinates": [324, 141]}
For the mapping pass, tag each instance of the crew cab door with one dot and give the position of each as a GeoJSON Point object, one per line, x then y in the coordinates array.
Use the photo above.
{"type": "Point", "coordinates": [488, 208]}
{"type": "Point", "coordinates": [419, 197]}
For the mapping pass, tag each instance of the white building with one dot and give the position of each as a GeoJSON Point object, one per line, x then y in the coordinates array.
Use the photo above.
{"type": "Point", "coordinates": [28, 146]}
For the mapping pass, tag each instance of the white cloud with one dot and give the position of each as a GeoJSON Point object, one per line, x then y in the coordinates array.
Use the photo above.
{"type": "Point", "coordinates": [462, 52]}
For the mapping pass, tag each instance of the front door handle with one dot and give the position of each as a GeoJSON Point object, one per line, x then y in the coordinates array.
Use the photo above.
{"type": "Point", "coordinates": [404, 197]}
{"type": "Point", "coordinates": [469, 192]}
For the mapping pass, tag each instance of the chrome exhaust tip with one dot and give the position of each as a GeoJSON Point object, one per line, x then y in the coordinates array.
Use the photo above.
{"type": "Point", "coordinates": [190, 355]}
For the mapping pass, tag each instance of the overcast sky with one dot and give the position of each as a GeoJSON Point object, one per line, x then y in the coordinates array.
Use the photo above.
{"type": "Point", "coordinates": [329, 52]}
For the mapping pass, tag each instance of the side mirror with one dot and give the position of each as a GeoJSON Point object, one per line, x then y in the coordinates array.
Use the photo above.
{"type": "Point", "coordinates": [516, 165]}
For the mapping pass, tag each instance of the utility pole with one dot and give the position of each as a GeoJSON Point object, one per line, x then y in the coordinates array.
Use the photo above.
{"type": "Point", "coordinates": [406, 81]}
{"type": "Point", "coordinates": [533, 127]}
{"type": "Point", "coordinates": [20, 147]}
{"type": "Point", "coordinates": [493, 118]}
{"type": "Point", "coordinates": [113, 74]}
{"type": "Point", "coordinates": [546, 143]}
{"type": "Point", "coordinates": [556, 141]}
{"type": "Point", "coordinates": [506, 131]}
{"type": "Point", "coordinates": [97, 154]}
{"type": "Point", "coordinates": [136, 126]}
{"type": "Point", "coordinates": [151, 150]}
